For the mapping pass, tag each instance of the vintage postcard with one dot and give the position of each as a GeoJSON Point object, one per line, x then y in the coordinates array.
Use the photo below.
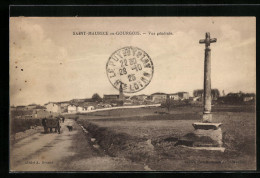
{"type": "Point", "coordinates": [132, 93]}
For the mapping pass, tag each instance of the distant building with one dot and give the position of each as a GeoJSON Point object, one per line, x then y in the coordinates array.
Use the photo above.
{"type": "Point", "coordinates": [214, 93]}
{"type": "Point", "coordinates": [80, 109]}
{"type": "Point", "coordinates": [53, 107]}
{"type": "Point", "coordinates": [64, 103]}
{"type": "Point", "coordinates": [107, 106]}
{"type": "Point", "coordinates": [115, 98]}
{"type": "Point", "coordinates": [127, 103]}
{"type": "Point", "coordinates": [31, 113]}
{"type": "Point", "coordinates": [21, 108]}
{"type": "Point", "coordinates": [110, 97]}
{"type": "Point", "coordinates": [183, 95]}
{"type": "Point", "coordinates": [41, 113]}
{"type": "Point", "coordinates": [90, 108]}
{"type": "Point", "coordinates": [64, 106]}
{"type": "Point", "coordinates": [72, 108]}
{"type": "Point", "coordinates": [142, 97]}
{"type": "Point", "coordinates": [31, 106]}
{"type": "Point", "coordinates": [174, 96]}
{"type": "Point", "coordinates": [179, 96]}
{"type": "Point", "coordinates": [236, 98]}
{"type": "Point", "coordinates": [248, 97]}
{"type": "Point", "coordinates": [159, 97]}
{"type": "Point", "coordinates": [127, 97]}
{"type": "Point", "coordinates": [139, 97]}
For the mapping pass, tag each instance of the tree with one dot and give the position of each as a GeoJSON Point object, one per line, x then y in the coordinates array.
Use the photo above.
{"type": "Point", "coordinates": [169, 104]}
{"type": "Point", "coordinates": [96, 97]}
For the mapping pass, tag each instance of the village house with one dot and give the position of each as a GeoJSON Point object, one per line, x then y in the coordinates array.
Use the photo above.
{"type": "Point", "coordinates": [36, 112]}
{"type": "Point", "coordinates": [64, 106]}
{"type": "Point", "coordinates": [115, 98]}
{"type": "Point", "coordinates": [179, 96]}
{"type": "Point", "coordinates": [21, 108]}
{"type": "Point", "coordinates": [248, 97]}
{"type": "Point", "coordinates": [110, 97]}
{"type": "Point", "coordinates": [31, 106]}
{"type": "Point", "coordinates": [174, 96]}
{"type": "Point", "coordinates": [183, 95]}
{"type": "Point", "coordinates": [159, 97]}
{"type": "Point", "coordinates": [127, 103]}
{"type": "Point", "coordinates": [80, 109]}
{"type": "Point", "coordinates": [53, 107]}
{"type": "Point", "coordinates": [236, 98]}
{"type": "Point", "coordinates": [72, 108]}
{"type": "Point", "coordinates": [141, 97]}
{"type": "Point", "coordinates": [41, 113]}
{"type": "Point", "coordinates": [90, 108]}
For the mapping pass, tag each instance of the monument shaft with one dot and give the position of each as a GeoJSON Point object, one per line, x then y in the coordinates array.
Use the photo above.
{"type": "Point", "coordinates": [207, 117]}
{"type": "Point", "coordinates": [207, 81]}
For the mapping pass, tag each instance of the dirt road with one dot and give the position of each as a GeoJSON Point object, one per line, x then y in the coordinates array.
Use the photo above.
{"type": "Point", "coordinates": [69, 151]}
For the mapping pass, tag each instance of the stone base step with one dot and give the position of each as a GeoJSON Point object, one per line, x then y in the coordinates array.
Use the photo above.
{"type": "Point", "coordinates": [206, 126]}
{"type": "Point", "coordinates": [221, 149]}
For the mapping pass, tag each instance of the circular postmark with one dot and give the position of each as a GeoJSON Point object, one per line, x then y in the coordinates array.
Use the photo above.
{"type": "Point", "coordinates": [130, 66]}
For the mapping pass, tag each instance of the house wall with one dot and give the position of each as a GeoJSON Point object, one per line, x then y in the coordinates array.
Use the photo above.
{"type": "Point", "coordinates": [141, 97]}
{"type": "Point", "coordinates": [248, 98]}
{"type": "Point", "coordinates": [111, 97]}
{"type": "Point", "coordinates": [159, 98]}
{"type": "Point", "coordinates": [41, 113]}
{"type": "Point", "coordinates": [72, 109]}
{"type": "Point", "coordinates": [174, 97]}
{"type": "Point", "coordinates": [185, 96]}
{"type": "Point", "coordinates": [52, 107]}
{"type": "Point", "coordinates": [79, 109]}
{"type": "Point", "coordinates": [63, 107]}
{"type": "Point", "coordinates": [90, 108]}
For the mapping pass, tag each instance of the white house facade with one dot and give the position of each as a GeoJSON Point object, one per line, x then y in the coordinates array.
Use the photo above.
{"type": "Point", "coordinates": [80, 109]}
{"type": "Point", "coordinates": [72, 109]}
{"type": "Point", "coordinates": [53, 107]}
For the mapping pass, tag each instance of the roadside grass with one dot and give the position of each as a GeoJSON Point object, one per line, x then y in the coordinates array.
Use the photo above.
{"type": "Point", "coordinates": [150, 137]}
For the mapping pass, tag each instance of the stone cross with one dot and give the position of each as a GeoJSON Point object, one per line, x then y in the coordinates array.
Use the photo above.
{"type": "Point", "coordinates": [207, 117]}
{"type": "Point", "coordinates": [207, 135]}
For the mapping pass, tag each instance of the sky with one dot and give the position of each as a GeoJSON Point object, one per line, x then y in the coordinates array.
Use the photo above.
{"type": "Point", "coordinates": [49, 63]}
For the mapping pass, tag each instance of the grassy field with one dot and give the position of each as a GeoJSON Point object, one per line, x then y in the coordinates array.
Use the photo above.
{"type": "Point", "coordinates": [149, 135]}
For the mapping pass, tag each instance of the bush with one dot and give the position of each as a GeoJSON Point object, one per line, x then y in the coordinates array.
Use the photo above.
{"type": "Point", "coordinates": [117, 102]}
{"type": "Point", "coordinates": [20, 125]}
{"type": "Point", "coordinates": [170, 103]}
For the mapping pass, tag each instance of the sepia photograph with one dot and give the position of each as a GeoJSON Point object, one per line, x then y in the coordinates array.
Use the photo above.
{"type": "Point", "coordinates": [132, 94]}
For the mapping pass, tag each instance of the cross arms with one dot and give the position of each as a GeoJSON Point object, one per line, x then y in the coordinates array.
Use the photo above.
{"type": "Point", "coordinates": [212, 40]}
{"type": "Point", "coordinates": [208, 40]}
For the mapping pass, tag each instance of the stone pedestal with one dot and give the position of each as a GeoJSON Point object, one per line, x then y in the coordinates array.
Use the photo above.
{"type": "Point", "coordinates": [206, 136]}
{"type": "Point", "coordinates": [207, 117]}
